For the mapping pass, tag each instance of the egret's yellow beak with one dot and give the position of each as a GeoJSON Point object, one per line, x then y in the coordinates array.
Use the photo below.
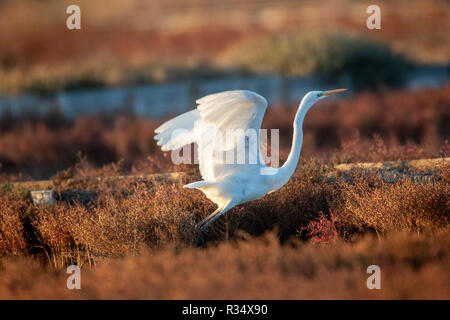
{"type": "Point", "coordinates": [331, 92]}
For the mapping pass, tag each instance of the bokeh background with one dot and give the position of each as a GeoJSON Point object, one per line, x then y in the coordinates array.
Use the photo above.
{"type": "Point", "coordinates": [92, 97]}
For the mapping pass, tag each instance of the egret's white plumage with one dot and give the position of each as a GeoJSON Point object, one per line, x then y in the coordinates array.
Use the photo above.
{"type": "Point", "coordinates": [230, 184]}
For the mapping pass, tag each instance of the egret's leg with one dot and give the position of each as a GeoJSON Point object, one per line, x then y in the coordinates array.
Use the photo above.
{"type": "Point", "coordinates": [201, 223]}
{"type": "Point", "coordinates": [227, 207]}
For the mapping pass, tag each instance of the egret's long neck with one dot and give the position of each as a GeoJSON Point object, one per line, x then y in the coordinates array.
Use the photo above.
{"type": "Point", "coordinates": [286, 171]}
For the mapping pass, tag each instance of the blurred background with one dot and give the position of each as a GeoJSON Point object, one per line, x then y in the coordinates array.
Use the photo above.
{"type": "Point", "coordinates": [87, 101]}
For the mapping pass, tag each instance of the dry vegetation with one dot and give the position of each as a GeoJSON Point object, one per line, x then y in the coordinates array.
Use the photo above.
{"type": "Point", "coordinates": [413, 267]}
{"type": "Point", "coordinates": [138, 243]}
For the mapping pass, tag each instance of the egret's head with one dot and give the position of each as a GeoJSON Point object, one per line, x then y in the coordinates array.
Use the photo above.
{"type": "Point", "coordinates": [314, 96]}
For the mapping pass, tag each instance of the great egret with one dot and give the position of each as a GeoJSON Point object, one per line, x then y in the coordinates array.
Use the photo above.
{"type": "Point", "coordinates": [230, 184]}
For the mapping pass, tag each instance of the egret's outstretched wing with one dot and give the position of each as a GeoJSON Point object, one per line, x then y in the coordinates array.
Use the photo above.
{"type": "Point", "coordinates": [217, 117]}
{"type": "Point", "coordinates": [224, 114]}
{"type": "Point", "coordinates": [178, 131]}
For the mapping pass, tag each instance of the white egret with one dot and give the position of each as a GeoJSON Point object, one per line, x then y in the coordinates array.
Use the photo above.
{"type": "Point", "coordinates": [231, 184]}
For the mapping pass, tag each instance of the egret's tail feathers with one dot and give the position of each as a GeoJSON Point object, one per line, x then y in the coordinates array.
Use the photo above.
{"type": "Point", "coordinates": [199, 184]}
{"type": "Point", "coordinates": [178, 131]}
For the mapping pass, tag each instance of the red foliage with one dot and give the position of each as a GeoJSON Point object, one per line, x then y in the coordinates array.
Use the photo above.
{"type": "Point", "coordinates": [322, 229]}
